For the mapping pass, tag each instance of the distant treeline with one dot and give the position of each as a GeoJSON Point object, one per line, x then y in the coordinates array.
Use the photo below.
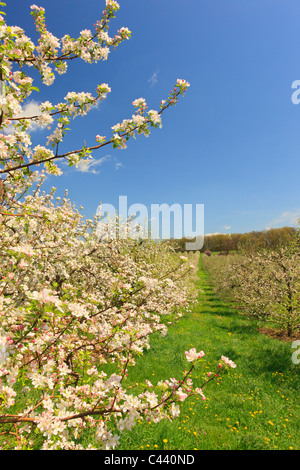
{"type": "Point", "coordinates": [250, 241]}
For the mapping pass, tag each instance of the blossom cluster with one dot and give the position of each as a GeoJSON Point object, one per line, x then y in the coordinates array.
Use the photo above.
{"type": "Point", "coordinates": [70, 305]}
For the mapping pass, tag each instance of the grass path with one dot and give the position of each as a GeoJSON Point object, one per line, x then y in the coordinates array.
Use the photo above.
{"type": "Point", "coordinates": [255, 406]}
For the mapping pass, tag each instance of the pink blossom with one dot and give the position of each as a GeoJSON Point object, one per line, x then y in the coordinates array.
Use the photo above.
{"type": "Point", "coordinates": [192, 355]}
{"type": "Point", "coordinates": [228, 362]}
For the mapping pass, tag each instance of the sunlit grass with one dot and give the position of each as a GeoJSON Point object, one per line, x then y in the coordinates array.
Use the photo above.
{"type": "Point", "coordinates": [255, 406]}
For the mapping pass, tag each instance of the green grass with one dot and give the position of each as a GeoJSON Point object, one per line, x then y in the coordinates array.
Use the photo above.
{"type": "Point", "coordinates": [255, 406]}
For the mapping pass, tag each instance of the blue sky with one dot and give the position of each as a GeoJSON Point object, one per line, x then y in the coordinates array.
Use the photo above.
{"type": "Point", "coordinates": [232, 143]}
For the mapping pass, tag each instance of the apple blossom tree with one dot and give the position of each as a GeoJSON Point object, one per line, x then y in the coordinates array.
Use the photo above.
{"type": "Point", "coordinates": [264, 285]}
{"type": "Point", "coordinates": [76, 311]}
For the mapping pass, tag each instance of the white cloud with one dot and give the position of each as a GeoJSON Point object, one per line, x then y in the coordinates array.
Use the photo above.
{"type": "Point", "coordinates": [227, 227]}
{"type": "Point", "coordinates": [118, 165]}
{"type": "Point", "coordinates": [91, 165]}
{"type": "Point", "coordinates": [288, 218]}
{"type": "Point", "coordinates": [215, 233]}
{"type": "Point", "coordinates": [28, 110]}
{"type": "Point", "coordinates": [153, 79]}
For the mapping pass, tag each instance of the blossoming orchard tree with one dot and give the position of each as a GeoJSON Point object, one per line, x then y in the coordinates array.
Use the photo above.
{"type": "Point", "coordinates": [264, 285]}
{"type": "Point", "coordinates": [75, 312]}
